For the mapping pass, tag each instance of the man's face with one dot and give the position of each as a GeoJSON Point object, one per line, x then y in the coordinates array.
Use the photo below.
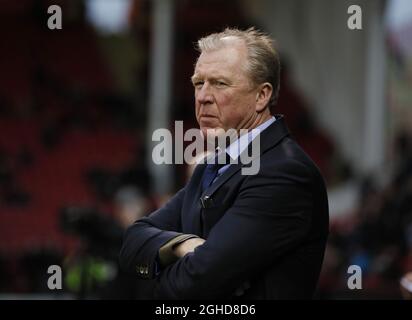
{"type": "Point", "coordinates": [224, 95]}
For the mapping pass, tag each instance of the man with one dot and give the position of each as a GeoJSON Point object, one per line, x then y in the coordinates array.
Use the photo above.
{"type": "Point", "coordinates": [258, 236]}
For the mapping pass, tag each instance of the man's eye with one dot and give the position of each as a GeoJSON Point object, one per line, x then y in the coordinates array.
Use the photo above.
{"type": "Point", "coordinates": [198, 84]}
{"type": "Point", "coordinates": [221, 83]}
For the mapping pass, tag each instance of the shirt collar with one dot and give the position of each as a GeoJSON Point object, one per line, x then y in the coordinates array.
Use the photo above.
{"type": "Point", "coordinates": [237, 147]}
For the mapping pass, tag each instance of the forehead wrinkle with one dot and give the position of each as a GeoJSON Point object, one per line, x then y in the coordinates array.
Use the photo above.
{"type": "Point", "coordinates": [207, 65]}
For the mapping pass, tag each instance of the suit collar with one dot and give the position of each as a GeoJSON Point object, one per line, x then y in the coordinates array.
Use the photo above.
{"type": "Point", "coordinates": [269, 138]}
{"type": "Point", "coordinates": [274, 133]}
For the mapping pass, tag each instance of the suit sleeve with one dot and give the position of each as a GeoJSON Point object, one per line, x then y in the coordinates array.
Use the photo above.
{"type": "Point", "coordinates": [270, 217]}
{"type": "Point", "coordinates": [143, 239]}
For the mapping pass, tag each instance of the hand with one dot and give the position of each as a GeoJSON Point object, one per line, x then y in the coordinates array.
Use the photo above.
{"type": "Point", "coordinates": [187, 246]}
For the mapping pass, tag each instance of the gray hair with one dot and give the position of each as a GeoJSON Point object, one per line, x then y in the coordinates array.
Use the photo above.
{"type": "Point", "coordinates": [263, 59]}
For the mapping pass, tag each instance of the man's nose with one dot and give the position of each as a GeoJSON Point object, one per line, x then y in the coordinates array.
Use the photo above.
{"type": "Point", "coordinates": [204, 95]}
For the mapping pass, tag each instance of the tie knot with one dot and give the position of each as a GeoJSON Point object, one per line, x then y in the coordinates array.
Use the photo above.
{"type": "Point", "coordinates": [220, 161]}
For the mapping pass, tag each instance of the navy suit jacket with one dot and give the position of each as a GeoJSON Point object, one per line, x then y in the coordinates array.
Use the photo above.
{"type": "Point", "coordinates": [267, 230]}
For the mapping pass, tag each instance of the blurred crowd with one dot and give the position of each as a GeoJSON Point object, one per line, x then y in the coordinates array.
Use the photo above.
{"type": "Point", "coordinates": [376, 235]}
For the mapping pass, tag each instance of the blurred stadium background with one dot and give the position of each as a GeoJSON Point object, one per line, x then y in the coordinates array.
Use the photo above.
{"type": "Point", "coordinates": [78, 107]}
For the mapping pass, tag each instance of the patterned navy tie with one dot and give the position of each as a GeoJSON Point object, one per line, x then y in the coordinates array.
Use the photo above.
{"type": "Point", "coordinates": [211, 171]}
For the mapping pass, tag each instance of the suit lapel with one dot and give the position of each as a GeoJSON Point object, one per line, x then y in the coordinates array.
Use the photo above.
{"type": "Point", "coordinates": [221, 180]}
{"type": "Point", "coordinates": [193, 196]}
{"type": "Point", "coordinates": [269, 138]}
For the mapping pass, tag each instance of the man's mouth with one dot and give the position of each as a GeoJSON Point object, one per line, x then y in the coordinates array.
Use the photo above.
{"type": "Point", "coordinates": [207, 116]}
{"type": "Point", "coordinates": [208, 121]}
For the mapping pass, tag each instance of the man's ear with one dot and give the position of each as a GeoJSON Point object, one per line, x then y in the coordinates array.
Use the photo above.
{"type": "Point", "coordinates": [263, 96]}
